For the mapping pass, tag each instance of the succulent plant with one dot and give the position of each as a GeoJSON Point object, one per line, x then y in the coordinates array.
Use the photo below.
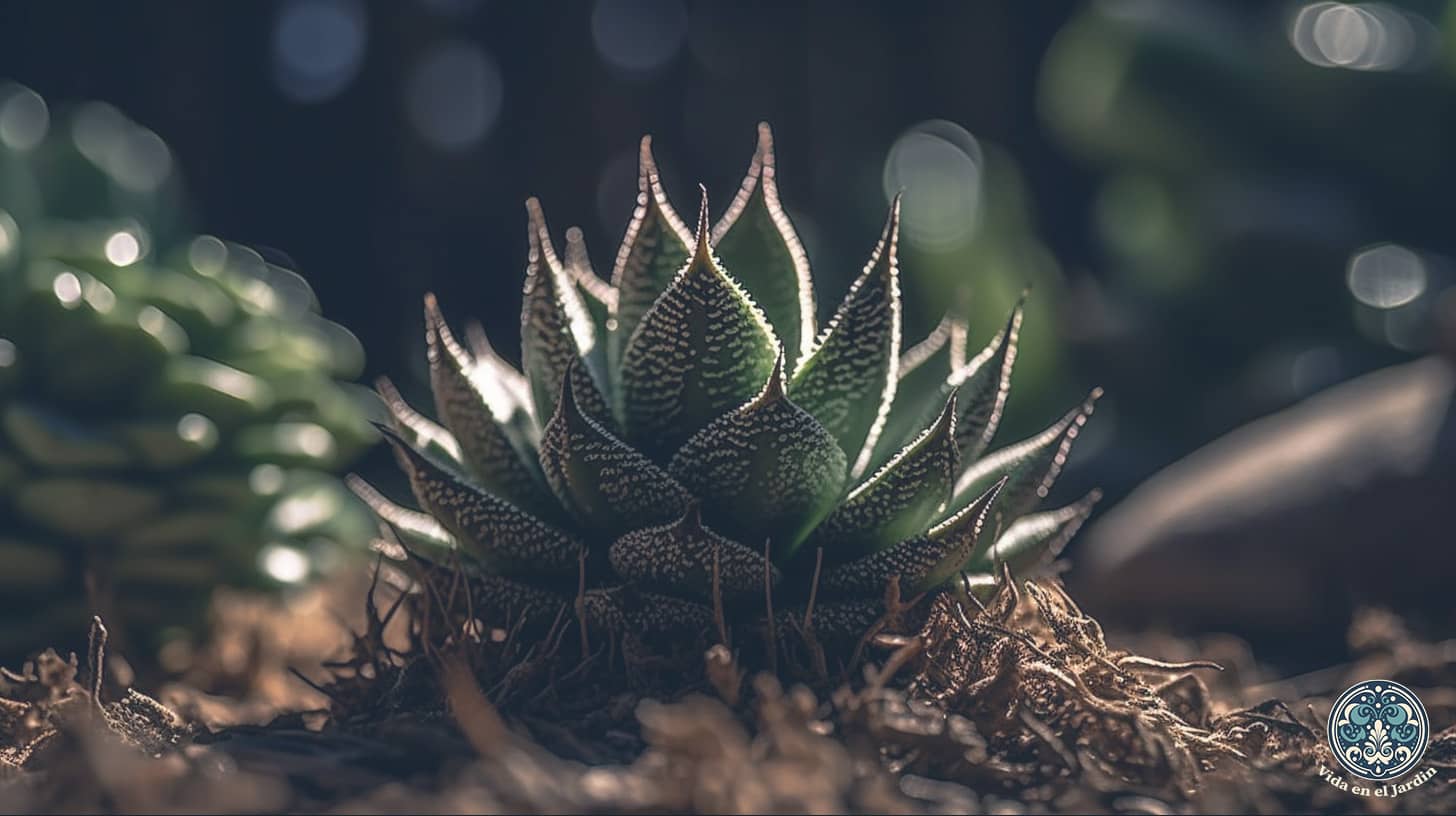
{"type": "Point", "coordinates": [169, 409]}
{"type": "Point", "coordinates": [684, 446]}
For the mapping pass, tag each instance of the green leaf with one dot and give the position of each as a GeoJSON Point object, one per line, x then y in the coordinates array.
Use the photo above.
{"type": "Point", "coordinates": [848, 381]}
{"type": "Point", "coordinates": [177, 531]}
{"type": "Point", "coordinates": [923, 562]}
{"type": "Point", "coordinates": [221, 393]}
{"type": "Point", "coordinates": [646, 614]}
{"type": "Point", "coordinates": [757, 241]}
{"type": "Point", "coordinates": [417, 429]}
{"type": "Point", "coordinates": [983, 384]}
{"type": "Point", "coordinates": [656, 246]}
{"type": "Point", "coordinates": [170, 443]}
{"type": "Point", "coordinates": [842, 622]}
{"type": "Point", "coordinates": [505, 389]}
{"type": "Point", "coordinates": [598, 295]}
{"type": "Point", "coordinates": [767, 469]}
{"type": "Point", "coordinates": [507, 539]}
{"type": "Point", "coordinates": [901, 499]}
{"type": "Point", "coordinates": [469, 406]}
{"type": "Point", "coordinates": [1034, 541]}
{"type": "Point", "coordinates": [54, 441]}
{"type": "Point", "coordinates": [86, 508]}
{"type": "Point", "coordinates": [1032, 465]}
{"type": "Point", "coordinates": [702, 350]}
{"type": "Point", "coordinates": [678, 558]}
{"type": "Point", "coordinates": [555, 327]}
{"type": "Point", "coordinates": [289, 444]}
{"type": "Point", "coordinates": [415, 528]}
{"type": "Point", "coordinates": [493, 599]}
{"type": "Point", "coordinates": [607, 484]}
{"type": "Point", "coordinates": [923, 382]}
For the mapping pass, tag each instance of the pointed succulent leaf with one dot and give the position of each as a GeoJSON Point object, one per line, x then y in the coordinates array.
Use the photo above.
{"type": "Point", "coordinates": [923, 381]}
{"type": "Point", "coordinates": [702, 350]}
{"type": "Point", "coordinates": [901, 499]}
{"type": "Point", "coordinates": [506, 392]}
{"type": "Point", "coordinates": [494, 599]}
{"type": "Point", "coordinates": [767, 469]}
{"type": "Point", "coordinates": [418, 530]}
{"type": "Point", "coordinates": [678, 558]}
{"type": "Point", "coordinates": [646, 614]}
{"type": "Point", "coordinates": [416, 428]}
{"type": "Point", "coordinates": [505, 389]}
{"type": "Point", "coordinates": [983, 384]}
{"type": "Point", "coordinates": [1034, 541]}
{"type": "Point", "coordinates": [926, 366]}
{"type": "Point", "coordinates": [485, 446]}
{"type": "Point", "coordinates": [848, 381]}
{"type": "Point", "coordinates": [507, 539]}
{"type": "Point", "coordinates": [923, 562]}
{"type": "Point", "coordinates": [656, 246]}
{"type": "Point", "coordinates": [555, 326]}
{"type": "Point", "coordinates": [598, 295]}
{"type": "Point", "coordinates": [606, 483]}
{"type": "Point", "coordinates": [840, 622]}
{"type": "Point", "coordinates": [1032, 465]}
{"type": "Point", "coordinates": [758, 243]}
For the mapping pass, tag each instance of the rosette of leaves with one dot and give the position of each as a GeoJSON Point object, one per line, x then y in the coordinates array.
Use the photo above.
{"type": "Point", "coordinates": [687, 445]}
{"type": "Point", "coordinates": [171, 408]}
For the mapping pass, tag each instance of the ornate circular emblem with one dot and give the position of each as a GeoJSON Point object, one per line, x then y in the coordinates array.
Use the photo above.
{"type": "Point", "coordinates": [1378, 730]}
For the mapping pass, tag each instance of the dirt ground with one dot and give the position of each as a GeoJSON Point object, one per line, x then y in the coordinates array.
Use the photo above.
{"type": "Point", "coordinates": [331, 701]}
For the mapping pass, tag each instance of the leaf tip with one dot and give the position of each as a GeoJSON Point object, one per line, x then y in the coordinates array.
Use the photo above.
{"type": "Point", "coordinates": [774, 389]}
{"type": "Point", "coordinates": [646, 163]}
{"type": "Point", "coordinates": [704, 236]}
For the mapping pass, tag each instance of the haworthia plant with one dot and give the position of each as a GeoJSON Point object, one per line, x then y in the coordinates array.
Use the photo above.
{"type": "Point", "coordinates": [703, 447]}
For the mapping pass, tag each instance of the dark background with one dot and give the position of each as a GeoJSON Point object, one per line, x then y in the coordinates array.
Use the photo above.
{"type": "Point", "coordinates": [375, 215]}
{"type": "Point", "coordinates": [1189, 186]}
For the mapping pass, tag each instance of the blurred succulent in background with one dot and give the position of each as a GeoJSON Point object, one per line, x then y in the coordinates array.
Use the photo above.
{"type": "Point", "coordinates": [1285, 167]}
{"type": "Point", "coordinates": [685, 440]}
{"type": "Point", "coordinates": [170, 404]}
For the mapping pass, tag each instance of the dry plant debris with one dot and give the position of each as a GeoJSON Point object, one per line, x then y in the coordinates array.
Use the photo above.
{"type": "Point", "coordinates": [1019, 706]}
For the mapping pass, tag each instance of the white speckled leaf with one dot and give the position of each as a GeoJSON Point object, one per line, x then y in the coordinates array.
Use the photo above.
{"type": "Point", "coordinates": [647, 615]}
{"type": "Point", "coordinates": [765, 470]}
{"type": "Point", "coordinates": [505, 389]}
{"type": "Point", "coordinates": [608, 485]}
{"type": "Point", "coordinates": [677, 558]}
{"type": "Point", "coordinates": [598, 295]}
{"type": "Point", "coordinates": [923, 382]}
{"type": "Point", "coordinates": [656, 246]}
{"type": "Point", "coordinates": [757, 241]}
{"type": "Point", "coordinates": [1036, 540]}
{"type": "Point", "coordinates": [495, 600]}
{"type": "Point", "coordinates": [848, 381]}
{"type": "Point", "coordinates": [420, 431]}
{"type": "Point", "coordinates": [702, 350]}
{"type": "Point", "coordinates": [419, 530]}
{"type": "Point", "coordinates": [507, 539]}
{"type": "Point", "coordinates": [555, 327]}
{"type": "Point", "coordinates": [495, 460]}
{"type": "Point", "coordinates": [983, 384]}
{"type": "Point", "coordinates": [901, 499]}
{"type": "Point", "coordinates": [1032, 465]}
{"type": "Point", "coordinates": [923, 562]}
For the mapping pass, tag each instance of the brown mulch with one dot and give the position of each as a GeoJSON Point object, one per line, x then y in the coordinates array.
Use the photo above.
{"type": "Point", "coordinates": [1018, 707]}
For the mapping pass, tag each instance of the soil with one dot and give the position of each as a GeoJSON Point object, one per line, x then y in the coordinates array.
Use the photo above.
{"type": "Point", "coordinates": [339, 699]}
